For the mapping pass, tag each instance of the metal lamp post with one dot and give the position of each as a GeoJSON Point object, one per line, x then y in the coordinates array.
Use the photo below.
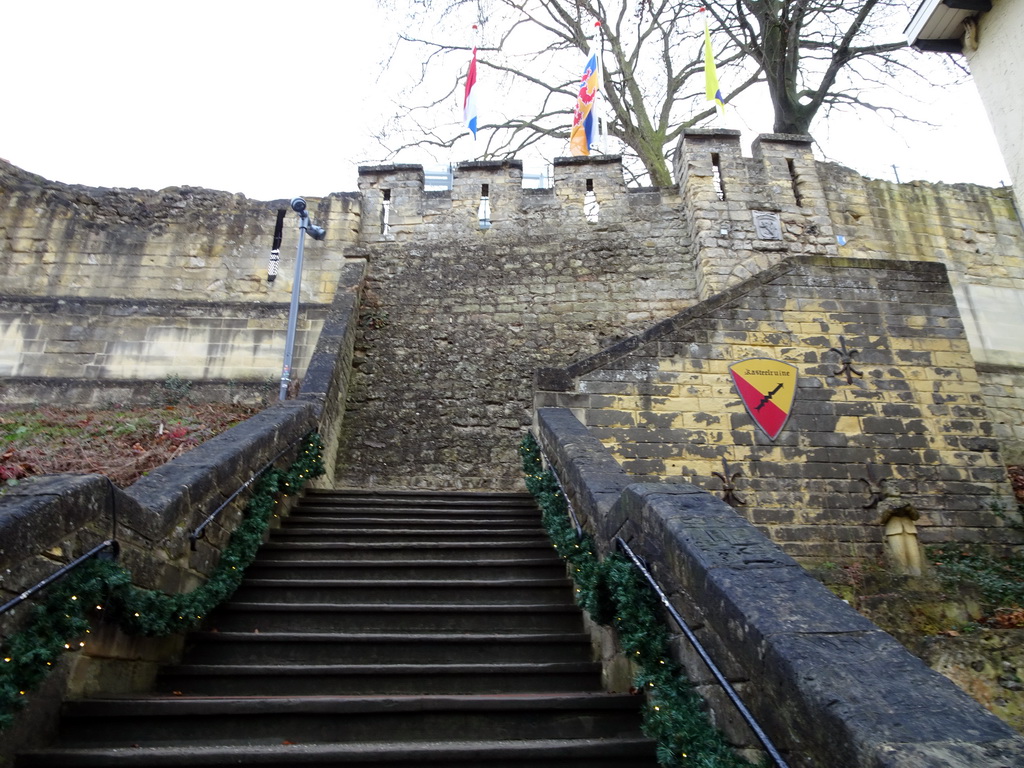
{"type": "Point", "coordinates": [317, 233]}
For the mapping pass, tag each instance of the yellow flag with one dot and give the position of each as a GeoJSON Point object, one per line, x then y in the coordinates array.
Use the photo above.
{"type": "Point", "coordinates": [714, 93]}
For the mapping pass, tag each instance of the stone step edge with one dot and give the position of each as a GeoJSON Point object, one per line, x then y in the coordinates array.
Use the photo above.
{"type": "Point", "coordinates": [562, 583]}
{"type": "Point", "coordinates": [380, 670]}
{"type": "Point", "coordinates": [236, 606]}
{"type": "Point", "coordinates": [469, 752]}
{"type": "Point", "coordinates": [537, 543]}
{"type": "Point", "coordinates": [536, 562]}
{"type": "Point", "coordinates": [128, 705]}
{"type": "Point", "coordinates": [391, 637]}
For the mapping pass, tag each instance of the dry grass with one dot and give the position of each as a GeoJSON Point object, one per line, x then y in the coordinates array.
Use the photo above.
{"type": "Point", "coordinates": [122, 444]}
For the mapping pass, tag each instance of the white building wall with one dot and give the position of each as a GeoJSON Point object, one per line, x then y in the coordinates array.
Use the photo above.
{"type": "Point", "coordinates": [997, 65]}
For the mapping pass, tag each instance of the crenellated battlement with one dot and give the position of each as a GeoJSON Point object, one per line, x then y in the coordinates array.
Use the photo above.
{"type": "Point", "coordinates": [476, 285]}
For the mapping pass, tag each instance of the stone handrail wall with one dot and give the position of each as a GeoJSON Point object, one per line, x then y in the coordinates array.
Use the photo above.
{"type": "Point", "coordinates": [48, 521]}
{"type": "Point", "coordinates": [828, 686]}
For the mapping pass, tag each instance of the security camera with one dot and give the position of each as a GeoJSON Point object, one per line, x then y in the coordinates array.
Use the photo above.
{"type": "Point", "coordinates": [298, 205]}
{"type": "Point", "coordinates": [317, 233]}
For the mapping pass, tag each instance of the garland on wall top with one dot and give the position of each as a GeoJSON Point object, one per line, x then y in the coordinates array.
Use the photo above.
{"type": "Point", "coordinates": [614, 594]}
{"type": "Point", "coordinates": [104, 589]}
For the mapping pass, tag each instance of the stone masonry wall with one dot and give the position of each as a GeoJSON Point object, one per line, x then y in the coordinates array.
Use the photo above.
{"type": "Point", "coordinates": [828, 687]}
{"type": "Point", "coordinates": [111, 339]}
{"type": "Point", "coordinates": [180, 243]}
{"type": "Point", "coordinates": [826, 209]}
{"type": "Point", "coordinates": [456, 317]}
{"type": "Point", "coordinates": [913, 423]}
{"type": "Point", "coordinates": [973, 230]}
{"type": "Point", "coordinates": [134, 284]}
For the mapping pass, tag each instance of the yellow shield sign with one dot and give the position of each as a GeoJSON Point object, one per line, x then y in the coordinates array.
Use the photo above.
{"type": "Point", "coordinates": [767, 388]}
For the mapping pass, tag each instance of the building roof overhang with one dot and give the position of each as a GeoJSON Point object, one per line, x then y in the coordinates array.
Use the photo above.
{"type": "Point", "coordinates": [938, 25]}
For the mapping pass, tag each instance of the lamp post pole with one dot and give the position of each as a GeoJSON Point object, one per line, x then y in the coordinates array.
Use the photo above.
{"type": "Point", "coordinates": [317, 233]}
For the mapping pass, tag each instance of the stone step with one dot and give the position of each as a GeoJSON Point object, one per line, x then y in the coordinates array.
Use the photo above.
{"type": "Point", "coordinates": [368, 648]}
{"type": "Point", "coordinates": [525, 516]}
{"type": "Point", "coordinates": [161, 721]}
{"type": "Point", "coordinates": [424, 502]}
{"type": "Point", "coordinates": [419, 592]}
{"type": "Point", "coordinates": [422, 550]}
{"type": "Point", "coordinates": [378, 679]}
{"type": "Point", "coordinates": [384, 536]}
{"type": "Point", "coordinates": [334, 520]}
{"type": "Point", "coordinates": [546, 566]}
{"type": "Point", "coordinates": [237, 616]}
{"type": "Point", "coordinates": [380, 630]}
{"type": "Point", "coordinates": [535, 753]}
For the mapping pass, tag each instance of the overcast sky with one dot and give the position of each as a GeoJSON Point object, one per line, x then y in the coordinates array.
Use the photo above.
{"type": "Point", "coordinates": [280, 99]}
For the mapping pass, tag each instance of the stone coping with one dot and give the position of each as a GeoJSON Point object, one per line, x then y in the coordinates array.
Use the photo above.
{"type": "Point", "coordinates": [827, 685]}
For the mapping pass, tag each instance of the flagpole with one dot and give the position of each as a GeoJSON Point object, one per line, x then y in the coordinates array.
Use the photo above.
{"type": "Point", "coordinates": [602, 126]}
{"type": "Point", "coordinates": [469, 104]}
{"type": "Point", "coordinates": [713, 91]}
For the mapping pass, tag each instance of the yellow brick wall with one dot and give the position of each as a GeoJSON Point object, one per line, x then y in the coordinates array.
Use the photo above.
{"type": "Point", "coordinates": [669, 409]}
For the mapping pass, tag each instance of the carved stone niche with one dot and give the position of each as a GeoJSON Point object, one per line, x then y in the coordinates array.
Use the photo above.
{"type": "Point", "coordinates": [902, 547]}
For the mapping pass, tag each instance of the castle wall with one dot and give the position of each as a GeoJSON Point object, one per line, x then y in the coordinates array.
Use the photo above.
{"type": "Point", "coordinates": [457, 315]}
{"type": "Point", "coordinates": [456, 318]}
{"type": "Point", "coordinates": [102, 284]}
{"type": "Point", "coordinates": [973, 230]}
{"type": "Point", "coordinates": [829, 210]}
{"type": "Point", "coordinates": [109, 339]}
{"type": "Point", "coordinates": [909, 425]}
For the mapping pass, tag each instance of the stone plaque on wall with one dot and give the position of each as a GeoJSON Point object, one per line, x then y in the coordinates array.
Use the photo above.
{"type": "Point", "coordinates": [768, 225]}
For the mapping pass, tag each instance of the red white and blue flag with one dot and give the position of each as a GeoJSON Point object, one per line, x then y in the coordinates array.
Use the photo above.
{"type": "Point", "coordinates": [469, 104]}
{"type": "Point", "coordinates": [584, 118]}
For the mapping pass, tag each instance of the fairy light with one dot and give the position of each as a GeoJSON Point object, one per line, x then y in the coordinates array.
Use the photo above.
{"type": "Point", "coordinates": [292, 480]}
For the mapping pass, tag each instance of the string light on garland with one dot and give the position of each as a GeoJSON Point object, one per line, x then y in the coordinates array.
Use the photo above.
{"type": "Point", "coordinates": [57, 623]}
{"type": "Point", "coordinates": [611, 591]}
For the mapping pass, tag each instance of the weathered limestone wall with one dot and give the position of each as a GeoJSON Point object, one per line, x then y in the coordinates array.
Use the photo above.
{"type": "Point", "coordinates": [180, 243]}
{"type": "Point", "coordinates": [457, 317]}
{"type": "Point", "coordinates": [746, 214]}
{"type": "Point", "coordinates": [103, 284]}
{"type": "Point", "coordinates": [150, 339]}
{"type": "Point", "coordinates": [973, 230]}
{"type": "Point", "coordinates": [665, 405]}
{"type": "Point", "coordinates": [828, 686]}
{"type": "Point", "coordinates": [826, 209]}
{"type": "Point", "coordinates": [1003, 390]}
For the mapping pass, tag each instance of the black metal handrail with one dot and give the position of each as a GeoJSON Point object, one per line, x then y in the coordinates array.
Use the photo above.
{"type": "Point", "coordinates": [745, 713]}
{"type": "Point", "coordinates": [200, 530]}
{"type": "Point", "coordinates": [111, 544]}
{"type": "Point", "coordinates": [568, 502]}
{"type": "Point", "coordinates": [108, 544]}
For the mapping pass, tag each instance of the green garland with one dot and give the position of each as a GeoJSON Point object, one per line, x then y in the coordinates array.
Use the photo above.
{"type": "Point", "coordinates": [614, 594]}
{"type": "Point", "coordinates": [102, 588]}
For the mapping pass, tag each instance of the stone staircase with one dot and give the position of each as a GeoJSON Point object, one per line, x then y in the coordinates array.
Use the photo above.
{"type": "Point", "coordinates": [386, 630]}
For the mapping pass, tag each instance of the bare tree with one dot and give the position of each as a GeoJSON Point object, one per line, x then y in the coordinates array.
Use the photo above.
{"type": "Point", "coordinates": [532, 53]}
{"type": "Point", "coordinates": [819, 54]}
